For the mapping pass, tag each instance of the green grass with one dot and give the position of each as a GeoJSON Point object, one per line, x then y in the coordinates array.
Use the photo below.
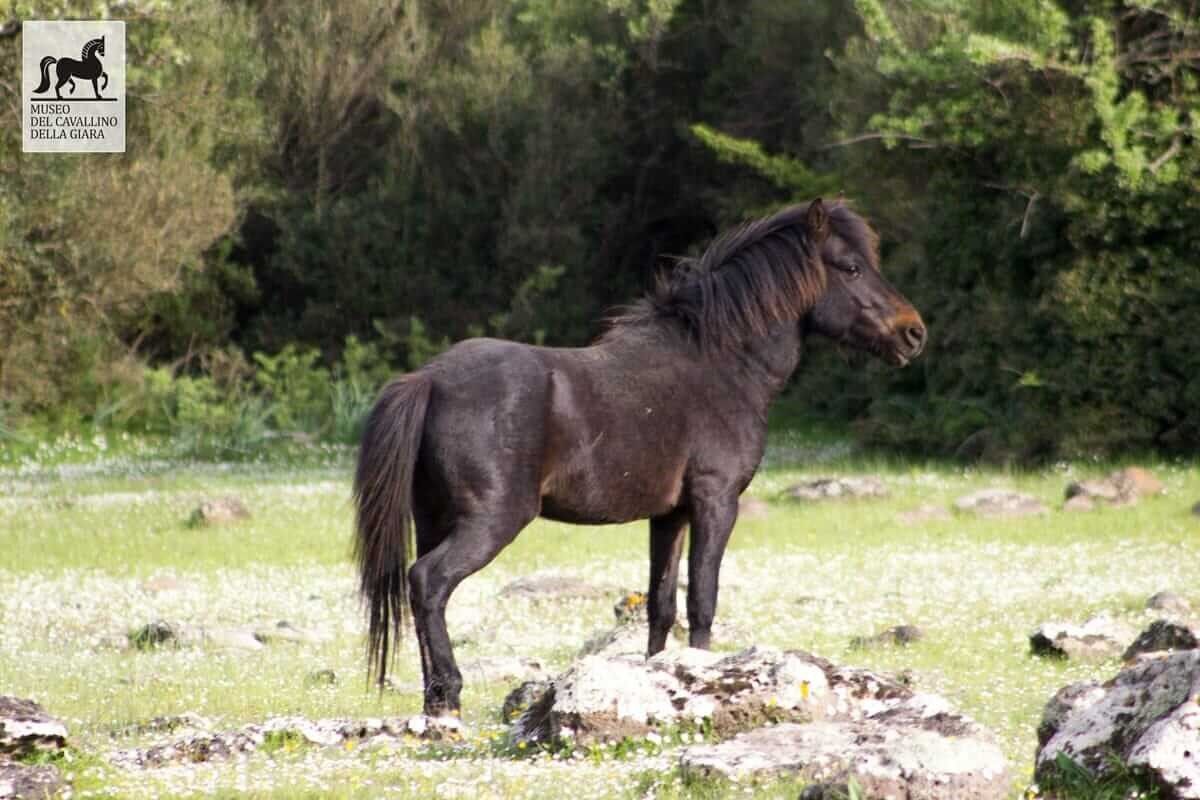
{"type": "Point", "coordinates": [79, 547]}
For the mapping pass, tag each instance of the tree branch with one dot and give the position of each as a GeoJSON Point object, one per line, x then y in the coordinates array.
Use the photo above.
{"type": "Point", "coordinates": [866, 137]}
{"type": "Point", "coordinates": [1168, 154]}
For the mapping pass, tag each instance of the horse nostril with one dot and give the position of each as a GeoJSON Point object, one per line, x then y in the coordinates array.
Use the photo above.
{"type": "Point", "coordinates": [914, 337]}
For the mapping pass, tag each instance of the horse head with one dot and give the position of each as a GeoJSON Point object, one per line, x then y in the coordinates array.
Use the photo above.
{"type": "Point", "coordinates": [859, 307]}
{"type": "Point", "coordinates": [95, 46]}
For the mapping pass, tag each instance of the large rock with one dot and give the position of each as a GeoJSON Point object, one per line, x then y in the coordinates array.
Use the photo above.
{"type": "Point", "coordinates": [905, 753]}
{"type": "Point", "coordinates": [26, 728]}
{"type": "Point", "coordinates": [1099, 638]}
{"type": "Point", "coordinates": [1121, 488]}
{"type": "Point", "coordinates": [606, 698]}
{"type": "Point", "coordinates": [219, 511]}
{"type": "Point", "coordinates": [1148, 716]}
{"type": "Point", "coordinates": [28, 782]}
{"type": "Point", "coordinates": [1162, 635]}
{"type": "Point", "coordinates": [864, 486]}
{"type": "Point", "coordinates": [1000, 503]}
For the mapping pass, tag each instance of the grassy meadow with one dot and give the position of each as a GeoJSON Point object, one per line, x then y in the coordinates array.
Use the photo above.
{"type": "Point", "coordinates": [96, 544]}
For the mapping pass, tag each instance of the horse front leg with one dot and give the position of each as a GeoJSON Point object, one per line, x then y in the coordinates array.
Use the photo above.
{"type": "Point", "coordinates": [666, 545]}
{"type": "Point", "coordinates": [713, 516]}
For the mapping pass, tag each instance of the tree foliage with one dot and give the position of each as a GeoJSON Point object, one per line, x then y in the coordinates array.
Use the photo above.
{"type": "Point", "coordinates": [411, 172]}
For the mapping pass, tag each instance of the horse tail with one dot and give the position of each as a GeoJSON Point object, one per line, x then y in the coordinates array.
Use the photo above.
{"type": "Point", "coordinates": [45, 84]}
{"type": "Point", "coordinates": [383, 494]}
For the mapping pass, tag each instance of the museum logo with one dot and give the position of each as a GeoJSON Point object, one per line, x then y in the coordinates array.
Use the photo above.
{"type": "Point", "coordinates": [73, 87]}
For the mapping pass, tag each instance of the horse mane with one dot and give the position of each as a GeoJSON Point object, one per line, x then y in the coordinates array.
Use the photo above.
{"type": "Point", "coordinates": [89, 47]}
{"type": "Point", "coordinates": [750, 278]}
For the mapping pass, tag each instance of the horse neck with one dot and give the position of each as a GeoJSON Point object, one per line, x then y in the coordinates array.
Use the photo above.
{"type": "Point", "coordinates": [761, 366]}
{"type": "Point", "coordinates": [90, 48]}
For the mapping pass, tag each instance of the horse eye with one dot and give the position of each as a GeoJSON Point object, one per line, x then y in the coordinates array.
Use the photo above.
{"type": "Point", "coordinates": [852, 269]}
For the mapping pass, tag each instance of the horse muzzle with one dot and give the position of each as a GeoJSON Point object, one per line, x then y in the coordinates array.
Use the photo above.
{"type": "Point", "coordinates": [908, 337]}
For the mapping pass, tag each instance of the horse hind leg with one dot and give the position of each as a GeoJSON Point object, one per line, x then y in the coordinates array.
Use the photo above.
{"type": "Point", "coordinates": [470, 546]}
{"type": "Point", "coordinates": [428, 535]}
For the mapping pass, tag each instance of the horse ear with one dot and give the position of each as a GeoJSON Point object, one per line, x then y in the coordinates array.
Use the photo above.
{"type": "Point", "coordinates": [817, 221]}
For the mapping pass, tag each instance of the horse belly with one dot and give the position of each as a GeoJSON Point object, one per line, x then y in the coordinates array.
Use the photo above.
{"type": "Point", "coordinates": [597, 490]}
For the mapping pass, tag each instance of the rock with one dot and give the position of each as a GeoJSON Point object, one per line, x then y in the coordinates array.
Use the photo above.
{"type": "Point", "coordinates": [1000, 503]}
{"type": "Point", "coordinates": [550, 586]}
{"type": "Point", "coordinates": [922, 514]}
{"type": "Point", "coordinates": [898, 636]}
{"type": "Point", "coordinates": [518, 701]}
{"type": "Point", "coordinates": [606, 698]}
{"type": "Point", "coordinates": [28, 782]}
{"type": "Point", "coordinates": [631, 606]}
{"type": "Point", "coordinates": [1138, 481]}
{"type": "Point", "coordinates": [219, 511]}
{"type": "Point", "coordinates": [1121, 488]}
{"type": "Point", "coordinates": [902, 754]}
{"type": "Point", "coordinates": [1148, 716]}
{"type": "Point", "coordinates": [209, 746]}
{"type": "Point", "coordinates": [284, 631]}
{"type": "Point", "coordinates": [1098, 638]}
{"type": "Point", "coordinates": [1164, 634]}
{"type": "Point", "coordinates": [26, 728]}
{"type": "Point", "coordinates": [1080, 502]}
{"type": "Point", "coordinates": [866, 486]}
{"type": "Point", "coordinates": [752, 508]}
{"type": "Point", "coordinates": [1169, 602]}
{"type": "Point", "coordinates": [1064, 702]}
{"type": "Point", "coordinates": [1099, 491]}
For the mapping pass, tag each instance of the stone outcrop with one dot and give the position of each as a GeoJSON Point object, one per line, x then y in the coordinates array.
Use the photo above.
{"type": "Point", "coordinates": [905, 753]}
{"type": "Point", "coordinates": [26, 728]}
{"type": "Point", "coordinates": [28, 782]}
{"type": "Point", "coordinates": [1148, 717]}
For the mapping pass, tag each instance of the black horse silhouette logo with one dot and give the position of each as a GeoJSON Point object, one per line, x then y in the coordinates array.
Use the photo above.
{"type": "Point", "coordinates": [87, 68]}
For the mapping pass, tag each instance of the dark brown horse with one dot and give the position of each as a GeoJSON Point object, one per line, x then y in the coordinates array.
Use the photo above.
{"type": "Point", "coordinates": [664, 418]}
